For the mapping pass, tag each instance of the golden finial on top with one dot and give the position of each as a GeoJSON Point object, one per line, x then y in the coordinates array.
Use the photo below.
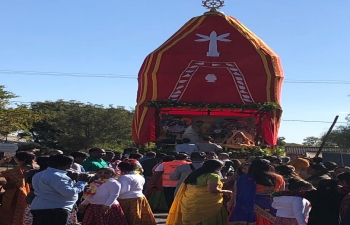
{"type": "Point", "coordinates": [213, 5]}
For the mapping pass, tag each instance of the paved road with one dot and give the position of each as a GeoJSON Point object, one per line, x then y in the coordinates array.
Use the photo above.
{"type": "Point", "coordinates": [160, 218]}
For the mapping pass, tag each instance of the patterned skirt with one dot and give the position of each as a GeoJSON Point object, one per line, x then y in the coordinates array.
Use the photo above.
{"type": "Point", "coordinates": [137, 211]}
{"type": "Point", "coordinates": [72, 217]}
{"type": "Point", "coordinates": [94, 216]}
{"type": "Point", "coordinates": [285, 221]}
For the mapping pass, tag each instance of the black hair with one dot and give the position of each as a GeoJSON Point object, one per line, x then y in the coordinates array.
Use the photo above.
{"type": "Point", "coordinates": [42, 161]}
{"type": "Point", "coordinates": [344, 177]}
{"type": "Point", "coordinates": [150, 154]}
{"type": "Point", "coordinates": [130, 150]}
{"type": "Point", "coordinates": [321, 169]}
{"type": "Point", "coordinates": [206, 138]}
{"type": "Point", "coordinates": [135, 156]}
{"type": "Point", "coordinates": [79, 155]}
{"type": "Point", "coordinates": [110, 152]}
{"type": "Point", "coordinates": [181, 156]}
{"type": "Point", "coordinates": [186, 140]}
{"type": "Point", "coordinates": [297, 184]}
{"type": "Point", "coordinates": [317, 160]}
{"type": "Point", "coordinates": [25, 157]}
{"type": "Point", "coordinates": [161, 155]}
{"type": "Point", "coordinates": [240, 168]}
{"type": "Point", "coordinates": [279, 161]}
{"type": "Point", "coordinates": [57, 161]}
{"type": "Point", "coordinates": [168, 158]}
{"type": "Point", "coordinates": [284, 170]}
{"type": "Point", "coordinates": [209, 166]}
{"type": "Point", "coordinates": [92, 150]}
{"type": "Point", "coordinates": [327, 184]}
{"type": "Point", "coordinates": [127, 166]}
{"type": "Point", "coordinates": [261, 170]}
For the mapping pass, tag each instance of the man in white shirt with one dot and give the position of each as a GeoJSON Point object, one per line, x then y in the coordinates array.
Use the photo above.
{"type": "Point", "coordinates": [186, 147]}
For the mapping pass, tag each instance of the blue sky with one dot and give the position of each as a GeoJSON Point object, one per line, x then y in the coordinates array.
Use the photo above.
{"type": "Point", "coordinates": [113, 37]}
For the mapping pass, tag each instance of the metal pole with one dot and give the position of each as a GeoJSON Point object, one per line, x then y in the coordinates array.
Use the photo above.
{"type": "Point", "coordinates": [326, 136]}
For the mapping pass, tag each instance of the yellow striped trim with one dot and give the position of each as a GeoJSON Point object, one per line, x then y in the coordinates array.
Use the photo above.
{"type": "Point", "coordinates": [256, 42]}
{"type": "Point", "coordinates": [145, 86]}
{"type": "Point", "coordinates": [142, 88]}
{"type": "Point", "coordinates": [145, 109]}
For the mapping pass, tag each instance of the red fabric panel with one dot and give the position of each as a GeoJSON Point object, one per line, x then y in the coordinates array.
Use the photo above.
{"type": "Point", "coordinates": [211, 59]}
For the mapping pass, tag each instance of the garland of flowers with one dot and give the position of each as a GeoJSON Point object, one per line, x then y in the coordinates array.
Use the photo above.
{"type": "Point", "coordinates": [261, 107]}
{"type": "Point", "coordinates": [93, 187]}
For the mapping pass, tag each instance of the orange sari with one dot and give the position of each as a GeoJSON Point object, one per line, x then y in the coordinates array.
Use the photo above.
{"type": "Point", "coordinates": [13, 202]}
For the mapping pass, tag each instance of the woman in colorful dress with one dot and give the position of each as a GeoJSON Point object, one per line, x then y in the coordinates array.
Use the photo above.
{"type": "Point", "coordinates": [253, 195]}
{"type": "Point", "coordinates": [133, 202]}
{"type": "Point", "coordinates": [16, 190]}
{"type": "Point", "coordinates": [102, 196]}
{"type": "Point", "coordinates": [199, 200]}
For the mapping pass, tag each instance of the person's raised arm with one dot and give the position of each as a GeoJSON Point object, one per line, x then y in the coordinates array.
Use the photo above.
{"type": "Point", "coordinates": [63, 185]}
{"type": "Point", "coordinates": [213, 185]}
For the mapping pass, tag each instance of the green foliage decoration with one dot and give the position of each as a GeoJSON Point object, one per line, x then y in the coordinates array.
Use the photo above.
{"type": "Point", "coordinates": [260, 107]}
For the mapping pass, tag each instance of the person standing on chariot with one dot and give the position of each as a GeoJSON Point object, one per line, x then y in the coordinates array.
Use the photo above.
{"type": "Point", "coordinates": [193, 132]}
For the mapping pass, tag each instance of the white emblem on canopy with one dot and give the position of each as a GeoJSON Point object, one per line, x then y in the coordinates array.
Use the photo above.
{"type": "Point", "coordinates": [211, 78]}
{"type": "Point", "coordinates": [213, 42]}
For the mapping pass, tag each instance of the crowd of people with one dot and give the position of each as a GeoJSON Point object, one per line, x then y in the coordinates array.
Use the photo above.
{"type": "Point", "coordinates": [194, 187]}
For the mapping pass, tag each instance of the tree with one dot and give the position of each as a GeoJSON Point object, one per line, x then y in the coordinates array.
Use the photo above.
{"type": "Point", "coordinates": [312, 141]}
{"type": "Point", "coordinates": [76, 126]}
{"type": "Point", "coordinates": [339, 137]}
{"type": "Point", "coordinates": [14, 117]}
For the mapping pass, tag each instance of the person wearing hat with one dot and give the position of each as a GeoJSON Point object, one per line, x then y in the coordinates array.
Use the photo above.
{"type": "Point", "coordinates": [182, 171]}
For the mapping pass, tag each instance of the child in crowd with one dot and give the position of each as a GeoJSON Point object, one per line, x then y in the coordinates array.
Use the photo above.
{"type": "Point", "coordinates": [100, 204]}
{"type": "Point", "coordinates": [292, 210]}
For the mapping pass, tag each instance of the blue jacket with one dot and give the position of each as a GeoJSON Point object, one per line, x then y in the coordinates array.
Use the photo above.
{"type": "Point", "coordinates": [55, 190]}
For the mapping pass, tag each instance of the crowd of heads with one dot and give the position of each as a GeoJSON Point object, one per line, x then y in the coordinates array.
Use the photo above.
{"type": "Point", "coordinates": [299, 169]}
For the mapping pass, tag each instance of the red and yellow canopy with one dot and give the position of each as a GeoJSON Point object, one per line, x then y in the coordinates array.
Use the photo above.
{"type": "Point", "coordinates": [212, 59]}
